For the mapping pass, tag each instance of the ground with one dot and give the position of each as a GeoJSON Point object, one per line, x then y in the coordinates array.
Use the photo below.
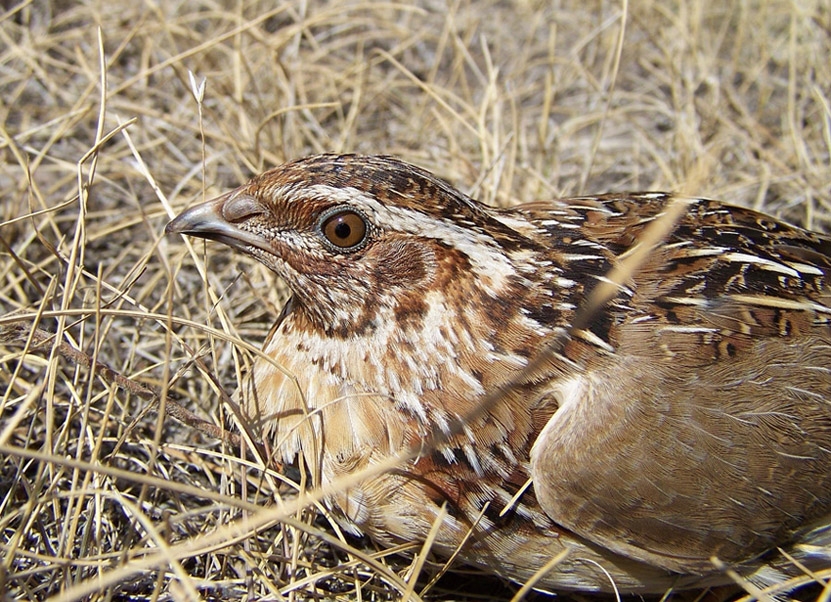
{"type": "Point", "coordinates": [117, 115]}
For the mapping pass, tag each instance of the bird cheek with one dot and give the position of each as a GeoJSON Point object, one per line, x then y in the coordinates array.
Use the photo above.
{"type": "Point", "coordinates": [402, 263]}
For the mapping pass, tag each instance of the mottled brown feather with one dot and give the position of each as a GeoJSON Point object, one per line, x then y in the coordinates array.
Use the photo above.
{"type": "Point", "coordinates": [688, 419]}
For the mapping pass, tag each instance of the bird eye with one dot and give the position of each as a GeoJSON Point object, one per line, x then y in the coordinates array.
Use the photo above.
{"type": "Point", "coordinates": [344, 228]}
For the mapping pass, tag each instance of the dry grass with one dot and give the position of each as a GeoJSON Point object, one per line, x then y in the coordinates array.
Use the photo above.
{"type": "Point", "coordinates": [102, 140]}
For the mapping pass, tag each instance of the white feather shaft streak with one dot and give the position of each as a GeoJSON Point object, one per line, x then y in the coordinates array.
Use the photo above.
{"type": "Point", "coordinates": [629, 261]}
{"type": "Point", "coordinates": [780, 303]}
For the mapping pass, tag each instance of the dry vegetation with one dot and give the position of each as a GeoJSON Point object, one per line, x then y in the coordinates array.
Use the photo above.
{"type": "Point", "coordinates": [102, 140]}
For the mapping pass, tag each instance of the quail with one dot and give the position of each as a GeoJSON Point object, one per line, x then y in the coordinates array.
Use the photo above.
{"type": "Point", "coordinates": [686, 420]}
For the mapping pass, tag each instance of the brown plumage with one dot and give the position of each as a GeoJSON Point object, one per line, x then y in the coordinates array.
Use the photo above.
{"type": "Point", "coordinates": [689, 419]}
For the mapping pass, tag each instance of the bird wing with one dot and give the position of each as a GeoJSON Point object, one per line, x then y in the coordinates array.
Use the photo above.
{"type": "Point", "coordinates": [708, 431]}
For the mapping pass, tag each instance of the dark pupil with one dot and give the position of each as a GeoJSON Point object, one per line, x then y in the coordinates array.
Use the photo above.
{"type": "Point", "coordinates": [342, 230]}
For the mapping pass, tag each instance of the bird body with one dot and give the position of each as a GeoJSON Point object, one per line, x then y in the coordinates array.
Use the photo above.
{"type": "Point", "coordinates": [689, 418]}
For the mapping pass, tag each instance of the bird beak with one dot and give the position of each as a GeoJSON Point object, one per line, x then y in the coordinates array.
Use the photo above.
{"type": "Point", "coordinates": [217, 220]}
{"type": "Point", "coordinates": [203, 220]}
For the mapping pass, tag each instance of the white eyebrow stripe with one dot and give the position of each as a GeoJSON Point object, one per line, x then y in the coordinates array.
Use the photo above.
{"type": "Point", "coordinates": [486, 259]}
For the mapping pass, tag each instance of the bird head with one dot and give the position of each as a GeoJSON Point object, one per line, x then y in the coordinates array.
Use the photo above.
{"type": "Point", "coordinates": [351, 234]}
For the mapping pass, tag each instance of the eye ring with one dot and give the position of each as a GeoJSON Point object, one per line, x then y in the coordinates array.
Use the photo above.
{"type": "Point", "coordinates": [343, 228]}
